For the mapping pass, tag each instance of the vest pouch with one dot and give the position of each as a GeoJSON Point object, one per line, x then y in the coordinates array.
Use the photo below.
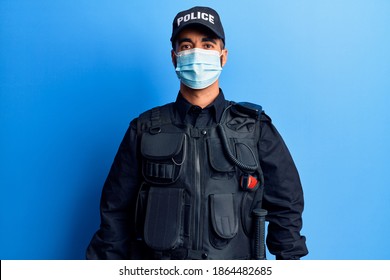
{"type": "Point", "coordinates": [224, 219]}
{"type": "Point", "coordinates": [140, 210]}
{"type": "Point", "coordinates": [221, 166]}
{"type": "Point", "coordinates": [246, 151]}
{"type": "Point", "coordinates": [164, 218]}
{"type": "Point", "coordinates": [163, 156]}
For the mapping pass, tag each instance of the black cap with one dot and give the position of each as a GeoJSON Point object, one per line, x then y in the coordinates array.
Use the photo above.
{"type": "Point", "coordinates": [198, 15]}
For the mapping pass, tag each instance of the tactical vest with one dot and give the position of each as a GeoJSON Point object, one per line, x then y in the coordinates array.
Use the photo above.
{"type": "Point", "coordinates": [191, 204]}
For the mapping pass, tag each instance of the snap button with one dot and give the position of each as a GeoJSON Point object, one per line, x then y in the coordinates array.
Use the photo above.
{"type": "Point", "coordinates": [204, 256]}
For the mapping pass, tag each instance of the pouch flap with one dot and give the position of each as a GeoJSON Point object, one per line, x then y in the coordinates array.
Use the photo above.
{"type": "Point", "coordinates": [217, 157]}
{"type": "Point", "coordinates": [246, 152]}
{"type": "Point", "coordinates": [162, 145]}
{"type": "Point", "coordinates": [223, 217]}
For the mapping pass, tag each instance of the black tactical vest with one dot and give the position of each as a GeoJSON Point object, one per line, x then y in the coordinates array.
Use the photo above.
{"type": "Point", "coordinates": [191, 204]}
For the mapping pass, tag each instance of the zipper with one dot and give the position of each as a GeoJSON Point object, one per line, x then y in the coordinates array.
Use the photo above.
{"type": "Point", "coordinates": [197, 200]}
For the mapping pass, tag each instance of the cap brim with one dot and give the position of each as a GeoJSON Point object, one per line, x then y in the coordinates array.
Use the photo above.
{"type": "Point", "coordinates": [184, 26]}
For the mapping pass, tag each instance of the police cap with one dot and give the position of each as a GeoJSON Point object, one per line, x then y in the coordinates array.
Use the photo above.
{"type": "Point", "coordinates": [204, 16]}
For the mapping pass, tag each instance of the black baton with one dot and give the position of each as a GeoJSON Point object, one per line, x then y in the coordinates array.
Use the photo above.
{"type": "Point", "coordinates": [259, 220]}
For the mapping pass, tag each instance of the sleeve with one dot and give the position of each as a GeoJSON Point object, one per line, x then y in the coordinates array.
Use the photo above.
{"type": "Point", "coordinates": [117, 204]}
{"type": "Point", "coordinates": [283, 195]}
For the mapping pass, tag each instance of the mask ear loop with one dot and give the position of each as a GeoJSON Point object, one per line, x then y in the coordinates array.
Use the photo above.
{"type": "Point", "coordinates": [220, 57]}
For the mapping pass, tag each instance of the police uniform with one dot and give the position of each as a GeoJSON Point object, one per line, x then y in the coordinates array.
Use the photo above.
{"type": "Point", "coordinates": [173, 193]}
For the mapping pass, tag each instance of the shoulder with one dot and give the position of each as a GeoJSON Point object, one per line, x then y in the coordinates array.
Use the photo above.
{"type": "Point", "coordinates": [250, 109]}
{"type": "Point", "coordinates": [154, 116]}
{"type": "Point", "coordinates": [156, 110]}
{"type": "Point", "coordinates": [265, 117]}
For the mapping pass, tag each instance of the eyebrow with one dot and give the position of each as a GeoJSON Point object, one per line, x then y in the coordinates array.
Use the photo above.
{"type": "Point", "coordinates": [185, 40]}
{"type": "Point", "coordinates": [206, 39]}
{"type": "Point", "coordinates": [209, 40]}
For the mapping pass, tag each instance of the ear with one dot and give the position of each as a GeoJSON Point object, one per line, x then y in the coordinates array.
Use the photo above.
{"type": "Point", "coordinates": [224, 57]}
{"type": "Point", "coordinates": [173, 56]}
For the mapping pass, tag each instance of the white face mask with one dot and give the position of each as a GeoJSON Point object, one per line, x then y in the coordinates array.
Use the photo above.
{"type": "Point", "coordinates": [198, 68]}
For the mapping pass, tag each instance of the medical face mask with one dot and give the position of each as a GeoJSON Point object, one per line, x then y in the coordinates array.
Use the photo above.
{"type": "Point", "coordinates": [198, 68]}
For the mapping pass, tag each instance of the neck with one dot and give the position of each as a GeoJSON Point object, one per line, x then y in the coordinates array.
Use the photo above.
{"type": "Point", "coordinates": [200, 97]}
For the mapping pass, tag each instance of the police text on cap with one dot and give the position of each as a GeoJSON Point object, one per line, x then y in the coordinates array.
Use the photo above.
{"type": "Point", "coordinates": [193, 15]}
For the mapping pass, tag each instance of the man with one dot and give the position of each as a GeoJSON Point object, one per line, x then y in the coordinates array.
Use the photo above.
{"type": "Point", "coordinates": [189, 175]}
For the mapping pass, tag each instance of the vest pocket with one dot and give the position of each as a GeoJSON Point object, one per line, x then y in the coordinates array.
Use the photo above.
{"type": "Point", "coordinates": [164, 218]}
{"type": "Point", "coordinates": [221, 166]}
{"type": "Point", "coordinates": [163, 156]}
{"type": "Point", "coordinates": [224, 219]}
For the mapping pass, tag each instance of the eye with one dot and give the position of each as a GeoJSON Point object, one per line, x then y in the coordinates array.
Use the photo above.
{"type": "Point", "coordinates": [185, 46]}
{"type": "Point", "coordinates": [209, 45]}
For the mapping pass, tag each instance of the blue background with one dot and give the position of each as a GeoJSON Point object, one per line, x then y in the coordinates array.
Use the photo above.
{"type": "Point", "coordinates": [74, 73]}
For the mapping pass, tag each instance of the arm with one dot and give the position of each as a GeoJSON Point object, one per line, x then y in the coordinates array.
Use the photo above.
{"type": "Point", "coordinates": [283, 195]}
{"type": "Point", "coordinates": [113, 239]}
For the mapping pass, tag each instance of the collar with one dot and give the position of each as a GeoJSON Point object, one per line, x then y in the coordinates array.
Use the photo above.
{"type": "Point", "coordinates": [183, 107]}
